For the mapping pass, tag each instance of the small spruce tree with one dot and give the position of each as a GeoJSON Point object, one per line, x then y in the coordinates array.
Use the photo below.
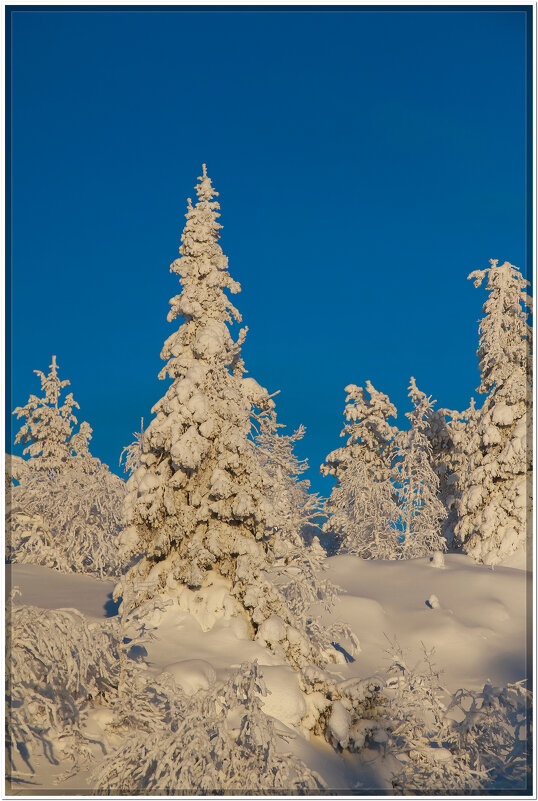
{"type": "Point", "coordinates": [421, 512]}
{"type": "Point", "coordinates": [293, 507]}
{"type": "Point", "coordinates": [452, 435]}
{"type": "Point", "coordinates": [65, 511]}
{"type": "Point", "coordinates": [361, 506]}
{"type": "Point", "coordinates": [48, 430]}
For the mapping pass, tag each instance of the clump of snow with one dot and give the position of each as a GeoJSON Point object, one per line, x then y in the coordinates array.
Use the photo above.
{"type": "Point", "coordinates": [339, 723]}
{"type": "Point", "coordinates": [437, 559]}
{"type": "Point", "coordinates": [284, 700]}
{"type": "Point", "coordinates": [273, 630]}
{"type": "Point", "coordinates": [212, 602]}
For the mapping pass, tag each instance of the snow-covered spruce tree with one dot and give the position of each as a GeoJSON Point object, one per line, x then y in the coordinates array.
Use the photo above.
{"type": "Point", "coordinates": [48, 430]}
{"type": "Point", "coordinates": [452, 436]}
{"type": "Point", "coordinates": [196, 511]}
{"type": "Point", "coordinates": [65, 511]}
{"type": "Point", "coordinates": [495, 507]}
{"type": "Point", "coordinates": [361, 506]}
{"type": "Point", "coordinates": [421, 513]}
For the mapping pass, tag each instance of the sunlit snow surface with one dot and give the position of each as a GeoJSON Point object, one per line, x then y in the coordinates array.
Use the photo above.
{"type": "Point", "coordinates": [478, 630]}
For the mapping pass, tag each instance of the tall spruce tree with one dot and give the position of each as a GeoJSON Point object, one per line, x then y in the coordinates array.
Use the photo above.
{"type": "Point", "coordinates": [495, 506]}
{"type": "Point", "coordinates": [196, 501]}
{"type": "Point", "coordinates": [196, 510]}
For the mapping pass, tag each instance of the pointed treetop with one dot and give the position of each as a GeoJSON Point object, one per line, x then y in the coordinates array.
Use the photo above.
{"type": "Point", "coordinates": [205, 190]}
{"type": "Point", "coordinates": [494, 262]}
{"type": "Point", "coordinates": [53, 366]}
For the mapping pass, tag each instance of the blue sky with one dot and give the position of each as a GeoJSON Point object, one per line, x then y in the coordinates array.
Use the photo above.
{"type": "Point", "coordinates": [366, 161]}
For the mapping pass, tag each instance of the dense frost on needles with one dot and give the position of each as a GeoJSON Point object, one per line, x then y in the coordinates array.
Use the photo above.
{"type": "Point", "coordinates": [197, 511]}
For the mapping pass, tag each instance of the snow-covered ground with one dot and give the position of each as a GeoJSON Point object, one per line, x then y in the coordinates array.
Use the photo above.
{"type": "Point", "coordinates": [475, 618]}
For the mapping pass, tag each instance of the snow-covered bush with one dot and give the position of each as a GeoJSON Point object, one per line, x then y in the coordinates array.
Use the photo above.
{"type": "Point", "coordinates": [494, 511]}
{"type": "Point", "coordinates": [421, 735]}
{"type": "Point", "coordinates": [496, 730]}
{"type": "Point", "coordinates": [362, 506]}
{"type": "Point", "coordinates": [217, 741]}
{"type": "Point", "coordinates": [68, 519]}
{"type": "Point", "coordinates": [59, 662]}
{"type": "Point", "coordinates": [454, 744]}
{"type": "Point", "coordinates": [421, 513]}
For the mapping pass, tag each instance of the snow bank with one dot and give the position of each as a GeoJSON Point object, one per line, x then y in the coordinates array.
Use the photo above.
{"type": "Point", "coordinates": [479, 629]}
{"type": "Point", "coordinates": [49, 589]}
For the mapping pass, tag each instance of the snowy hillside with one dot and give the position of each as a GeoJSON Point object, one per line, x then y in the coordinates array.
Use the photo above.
{"type": "Point", "coordinates": [476, 628]}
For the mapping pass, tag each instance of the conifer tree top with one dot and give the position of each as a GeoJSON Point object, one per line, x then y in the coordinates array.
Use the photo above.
{"type": "Point", "coordinates": [204, 189]}
{"type": "Point", "coordinates": [505, 335]}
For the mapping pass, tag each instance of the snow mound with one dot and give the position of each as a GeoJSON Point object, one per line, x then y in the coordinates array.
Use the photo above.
{"type": "Point", "coordinates": [192, 675]}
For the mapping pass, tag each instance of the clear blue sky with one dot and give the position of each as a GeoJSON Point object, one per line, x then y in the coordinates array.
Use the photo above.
{"type": "Point", "coordinates": [366, 161]}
